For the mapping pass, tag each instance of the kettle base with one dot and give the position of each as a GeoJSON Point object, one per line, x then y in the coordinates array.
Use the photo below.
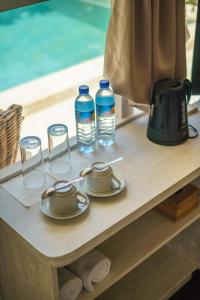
{"type": "Point", "coordinates": [167, 138]}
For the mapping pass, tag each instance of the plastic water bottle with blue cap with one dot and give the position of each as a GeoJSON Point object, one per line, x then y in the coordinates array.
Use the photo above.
{"type": "Point", "coordinates": [85, 120]}
{"type": "Point", "coordinates": [105, 114]}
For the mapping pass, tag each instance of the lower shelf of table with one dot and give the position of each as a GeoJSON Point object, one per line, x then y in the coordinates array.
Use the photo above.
{"type": "Point", "coordinates": [157, 278]}
{"type": "Point", "coordinates": [135, 243]}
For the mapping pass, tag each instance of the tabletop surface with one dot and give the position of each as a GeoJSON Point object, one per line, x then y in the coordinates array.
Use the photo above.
{"type": "Point", "coordinates": [152, 173]}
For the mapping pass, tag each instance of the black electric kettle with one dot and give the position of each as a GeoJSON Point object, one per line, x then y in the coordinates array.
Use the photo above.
{"type": "Point", "coordinates": [168, 120]}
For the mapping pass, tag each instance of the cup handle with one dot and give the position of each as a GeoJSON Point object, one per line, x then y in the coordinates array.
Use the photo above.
{"type": "Point", "coordinates": [82, 195]}
{"type": "Point", "coordinates": [114, 178]}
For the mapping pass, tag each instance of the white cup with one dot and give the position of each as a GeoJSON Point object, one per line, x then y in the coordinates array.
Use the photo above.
{"type": "Point", "coordinates": [101, 179]}
{"type": "Point", "coordinates": [64, 200]}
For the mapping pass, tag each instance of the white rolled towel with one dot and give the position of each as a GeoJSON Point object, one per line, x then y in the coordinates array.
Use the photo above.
{"type": "Point", "coordinates": [91, 268]}
{"type": "Point", "coordinates": [70, 285]}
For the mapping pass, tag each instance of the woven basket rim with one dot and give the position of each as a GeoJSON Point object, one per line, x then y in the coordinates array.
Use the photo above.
{"type": "Point", "coordinates": [10, 124]}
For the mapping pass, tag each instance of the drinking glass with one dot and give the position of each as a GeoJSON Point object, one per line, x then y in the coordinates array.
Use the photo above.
{"type": "Point", "coordinates": [32, 162]}
{"type": "Point", "coordinates": [59, 149]}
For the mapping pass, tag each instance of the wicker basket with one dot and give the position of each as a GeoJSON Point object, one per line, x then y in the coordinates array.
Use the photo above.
{"type": "Point", "coordinates": [10, 125]}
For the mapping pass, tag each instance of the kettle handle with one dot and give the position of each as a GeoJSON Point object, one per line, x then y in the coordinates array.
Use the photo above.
{"type": "Point", "coordinates": [188, 85]}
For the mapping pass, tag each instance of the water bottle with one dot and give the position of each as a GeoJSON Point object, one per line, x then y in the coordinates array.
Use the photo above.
{"type": "Point", "coordinates": [85, 120]}
{"type": "Point", "coordinates": [105, 114]}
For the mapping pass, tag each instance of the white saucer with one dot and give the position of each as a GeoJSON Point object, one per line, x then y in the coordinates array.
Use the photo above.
{"type": "Point", "coordinates": [113, 192]}
{"type": "Point", "coordinates": [82, 205]}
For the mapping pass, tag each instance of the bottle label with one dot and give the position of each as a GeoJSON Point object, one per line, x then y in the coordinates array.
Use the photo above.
{"type": "Point", "coordinates": [85, 116]}
{"type": "Point", "coordinates": [105, 110]}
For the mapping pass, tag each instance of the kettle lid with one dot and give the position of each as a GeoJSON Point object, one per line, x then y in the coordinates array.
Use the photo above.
{"type": "Point", "coordinates": [169, 85]}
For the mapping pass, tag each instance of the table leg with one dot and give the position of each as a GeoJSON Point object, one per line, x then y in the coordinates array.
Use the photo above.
{"type": "Point", "coordinates": [22, 275]}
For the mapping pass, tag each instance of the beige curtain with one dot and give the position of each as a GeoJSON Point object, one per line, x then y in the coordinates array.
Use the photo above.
{"type": "Point", "coordinates": [145, 43]}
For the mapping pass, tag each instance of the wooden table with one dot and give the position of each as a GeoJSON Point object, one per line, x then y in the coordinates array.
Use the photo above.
{"type": "Point", "coordinates": [124, 227]}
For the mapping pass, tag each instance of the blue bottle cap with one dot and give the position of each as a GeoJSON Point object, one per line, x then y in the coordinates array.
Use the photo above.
{"type": "Point", "coordinates": [83, 89]}
{"type": "Point", "coordinates": [104, 83]}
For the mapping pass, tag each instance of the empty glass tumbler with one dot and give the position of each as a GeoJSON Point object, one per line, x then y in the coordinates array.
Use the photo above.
{"type": "Point", "coordinates": [32, 162]}
{"type": "Point", "coordinates": [59, 149]}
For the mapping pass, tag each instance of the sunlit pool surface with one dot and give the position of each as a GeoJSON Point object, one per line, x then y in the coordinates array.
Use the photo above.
{"type": "Point", "coordinates": [40, 39]}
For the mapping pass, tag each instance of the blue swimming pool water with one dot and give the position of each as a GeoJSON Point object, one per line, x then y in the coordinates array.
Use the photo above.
{"type": "Point", "coordinates": [40, 39]}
